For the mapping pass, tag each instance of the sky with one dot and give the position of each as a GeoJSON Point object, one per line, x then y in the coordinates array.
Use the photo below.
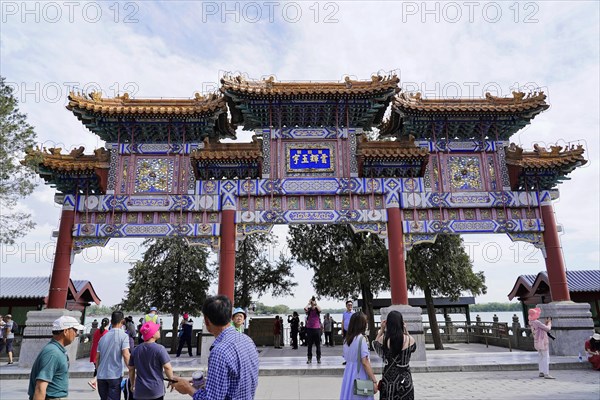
{"type": "Point", "coordinates": [174, 49]}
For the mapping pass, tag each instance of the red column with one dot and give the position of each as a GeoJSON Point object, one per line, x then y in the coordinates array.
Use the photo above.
{"type": "Point", "coordinates": [555, 265]}
{"type": "Point", "coordinates": [227, 254]}
{"type": "Point", "coordinates": [396, 257]}
{"type": "Point", "coordinates": [61, 270]}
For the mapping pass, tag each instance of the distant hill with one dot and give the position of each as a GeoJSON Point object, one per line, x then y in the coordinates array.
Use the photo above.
{"type": "Point", "coordinates": [487, 307]}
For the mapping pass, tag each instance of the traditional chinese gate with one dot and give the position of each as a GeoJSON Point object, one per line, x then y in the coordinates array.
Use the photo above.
{"type": "Point", "coordinates": [449, 168]}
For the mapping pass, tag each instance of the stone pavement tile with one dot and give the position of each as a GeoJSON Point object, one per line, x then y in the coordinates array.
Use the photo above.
{"type": "Point", "coordinates": [484, 385]}
{"type": "Point", "coordinates": [508, 385]}
{"type": "Point", "coordinates": [284, 388]}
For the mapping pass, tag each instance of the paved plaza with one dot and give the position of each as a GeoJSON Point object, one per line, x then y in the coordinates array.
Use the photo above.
{"type": "Point", "coordinates": [462, 371]}
{"type": "Point", "coordinates": [492, 385]}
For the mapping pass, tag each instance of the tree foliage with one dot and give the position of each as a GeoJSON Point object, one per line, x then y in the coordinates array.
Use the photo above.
{"type": "Point", "coordinates": [499, 307]}
{"type": "Point", "coordinates": [16, 180]}
{"type": "Point", "coordinates": [345, 264]}
{"type": "Point", "coordinates": [256, 274]}
{"type": "Point", "coordinates": [442, 269]}
{"type": "Point", "coordinates": [262, 309]}
{"type": "Point", "coordinates": [172, 276]}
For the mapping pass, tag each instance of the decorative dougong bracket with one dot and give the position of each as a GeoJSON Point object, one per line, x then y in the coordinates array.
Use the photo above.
{"type": "Point", "coordinates": [535, 238]}
{"type": "Point", "coordinates": [413, 239]}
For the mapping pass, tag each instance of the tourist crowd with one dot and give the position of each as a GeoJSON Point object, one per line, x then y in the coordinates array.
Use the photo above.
{"type": "Point", "coordinates": [232, 370]}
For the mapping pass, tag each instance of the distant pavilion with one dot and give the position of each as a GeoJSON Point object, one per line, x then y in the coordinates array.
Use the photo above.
{"type": "Point", "coordinates": [443, 305]}
{"type": "Point", "coordinates": [584, 287]}
{"type": "Point", "coordinates": [18, 295]}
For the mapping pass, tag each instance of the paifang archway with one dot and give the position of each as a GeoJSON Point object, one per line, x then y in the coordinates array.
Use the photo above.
{"type": "Point", "coordinates": [447, 168]}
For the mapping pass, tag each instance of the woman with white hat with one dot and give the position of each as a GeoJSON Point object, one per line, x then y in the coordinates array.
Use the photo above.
{"type": "Point", "coordinates": [540, 331]}
{"type": "Point", "coordinates": [592, 348]}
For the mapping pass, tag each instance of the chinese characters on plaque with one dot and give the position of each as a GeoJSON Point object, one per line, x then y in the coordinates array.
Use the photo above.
{"type": "Point", "coordinates": [303, 159]}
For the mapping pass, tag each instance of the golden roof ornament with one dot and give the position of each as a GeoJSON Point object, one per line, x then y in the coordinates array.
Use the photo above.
{"type": "Point", "coordinates": [270, 81]}
{"type": "Point", "coordinates": [96, 96]}
{"type": "Point", "coordinates": [102, 154]}
{"type": "Point", "coordinates": [518, 96]}
{"type": "Point", "coordinates": [514, 150]}
{"type": "Point", "coordinates": [75, 153]}
{"type": "Point", "coordinates": [348, 82]}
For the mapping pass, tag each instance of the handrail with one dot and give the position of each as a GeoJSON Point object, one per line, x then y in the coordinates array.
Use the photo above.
{"type": "Point", "coordinates": [485, 330]}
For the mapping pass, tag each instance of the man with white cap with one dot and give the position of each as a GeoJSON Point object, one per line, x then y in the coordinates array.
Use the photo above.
{"type": "Point", "coordinates": [49, 377]}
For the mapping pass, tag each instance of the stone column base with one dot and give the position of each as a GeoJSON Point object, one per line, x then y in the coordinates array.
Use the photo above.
{"type": "Point", "coordinates": [414, 323]}
{"type": "Point", "coordinates": [207, 341]}
{"type": "Point", "coordinates": [38, 332]}
{"type": "Point", "coordinates": [572, 325]}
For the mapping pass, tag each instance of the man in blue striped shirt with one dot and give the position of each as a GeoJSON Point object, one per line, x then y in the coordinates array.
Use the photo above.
{"type": "Point", "coordinates": [233, 361]}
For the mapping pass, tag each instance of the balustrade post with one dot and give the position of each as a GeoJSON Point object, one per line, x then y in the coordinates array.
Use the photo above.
{"type": "Point", "coordinates": [516, 329]}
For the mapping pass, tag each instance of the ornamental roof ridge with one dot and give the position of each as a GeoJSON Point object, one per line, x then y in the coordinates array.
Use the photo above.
{"type": "Point", "coordinates": [75, 160]}
{"type": "Point", "coordinates": [514, 151]}
{"type": "Point", "coordinates": [519, 101]}
{"type": "Point", "coordinates": [214, 150]}
{"type": "Point", "coordinates": [540, 157]}
{"type": "Point", "coordinates": [269, 86]}
{"type": "Point", "coordinates": [391, 148]}
{"type": "Point", "coordinates": [126, 105]}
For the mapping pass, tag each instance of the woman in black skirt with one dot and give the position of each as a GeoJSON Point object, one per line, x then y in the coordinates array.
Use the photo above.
{"type": "Point", "coordinates": [395, 346]}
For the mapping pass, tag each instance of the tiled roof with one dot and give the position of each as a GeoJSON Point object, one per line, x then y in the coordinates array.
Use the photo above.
{"type": "Point", "coordinates": [74, 161]}
{"type": "Point", "coordinates": [79, 284]}
{"type": "Point", "coordinates": [24, 287]}
{"type": "Point", "coordinates": [125, 106]}
{"type": "Point", "coordinates": [518, 103]}
{"type": "Point", "coordinates": [540, 157]}
{"type": "Point", "coordinates": [37, 287]}
{"type": "Point", "coordinates": [522, 286]}
{"type": "Point", "coordinates": [577, 281]}
{"type": "Point", "coordinates": [528, 278]}
{"type": "Point", "coordinates": [584, 281]}
{"type": "Point", "coordinates": [229, 151]}
{"type": "Point", "coordinates": [391, 149]}
{"type": "Point", "coordinates": [268, 87]}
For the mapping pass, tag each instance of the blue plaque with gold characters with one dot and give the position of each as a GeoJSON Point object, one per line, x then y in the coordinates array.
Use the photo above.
{"type": "Point", "coordinates": [309, 158]}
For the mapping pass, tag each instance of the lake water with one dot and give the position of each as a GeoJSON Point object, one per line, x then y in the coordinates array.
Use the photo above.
{"type": "Point", "coordinates": [167, 320]}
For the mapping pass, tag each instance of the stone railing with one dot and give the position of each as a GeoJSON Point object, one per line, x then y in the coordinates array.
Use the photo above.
{"type": "Point", "coordinates": [495, 333]}
{"type": "Point", "coordinates": [261, 331]}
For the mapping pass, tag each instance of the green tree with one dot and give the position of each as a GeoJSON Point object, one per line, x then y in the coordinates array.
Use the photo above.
{"type": "Point", "coordinates": [262, 309]}
{"type": "Point", "coordinates": [345, 264]}
{"type": "Point", "coordinates": [488, 307]}
{"type": "Point", "coordinates": [256, 274]}
{"type": "Point", "coordinates": [16, 180]}
{"type": "Point", "coordinates": [443, 269]}
{"type": "Point", "coordinates": [172, 276]}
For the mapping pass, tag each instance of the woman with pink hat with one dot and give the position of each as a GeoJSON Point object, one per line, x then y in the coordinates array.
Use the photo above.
{"type": "Point", "coordinates": [147, 363]}
{"type": "Point", "coordinates": [592, 348]}
{"type": "Point", "coordinates": [540, 331]}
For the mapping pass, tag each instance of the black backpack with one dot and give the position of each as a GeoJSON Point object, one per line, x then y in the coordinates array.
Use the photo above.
{"type": "Point", "coordinates": [15, 327]}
